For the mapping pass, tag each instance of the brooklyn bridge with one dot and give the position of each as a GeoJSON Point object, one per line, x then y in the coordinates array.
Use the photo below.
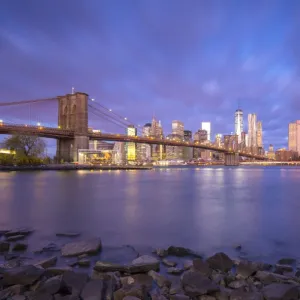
{"type": "Point", "coordinates": [72, 132]}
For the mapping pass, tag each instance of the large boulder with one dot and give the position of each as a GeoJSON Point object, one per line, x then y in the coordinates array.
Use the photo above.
{"type": "Point", "coordinates": [102, 266]}
{"type": "Point", "coordinates": [51, 286]}
{"type": "Point", "coordinates": [74, 281]}
{"type": "Point", "coordinates": [181, 251]}
{"type": "Point", "coordinates": [196, 284]}
{"type": "Point", "coordinates": [269, 277]}
{"type": "Point", "coordinates": [130, 290]}
{"type": "Point", "coordinates": [220, 261]}
{"type": "Point", "coordinates": [202, 267]}
{"type": "Point", "coordinates": [24, 275]}
{"type": "Point", "coordinates": [245, 295]}
{"type": "Point", "coordinates": [160, 280]}
{"type": "Point", "coordinates": [143, 264]}
{"type": "Point", "coordinates": [93, 290]}
{"type": "Point", "coordinates": [47, 262]}
{"type": "Point", "coordinates": [12, 291]}
{"type": "Point", "coordinates": [90, 246]}
{"type": "Point", "coordinates": [246, 269]}
{"type": "Point", "coordinates": [280, 291]}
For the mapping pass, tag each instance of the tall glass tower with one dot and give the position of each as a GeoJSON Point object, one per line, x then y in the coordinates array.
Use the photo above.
{"type": "Point", "coordinates": [239, 124]}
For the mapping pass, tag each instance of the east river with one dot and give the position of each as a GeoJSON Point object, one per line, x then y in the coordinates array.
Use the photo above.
{"type": "Point", "coordinates": [206, 209]}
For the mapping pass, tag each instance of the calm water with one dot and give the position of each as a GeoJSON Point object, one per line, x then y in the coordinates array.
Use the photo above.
{"type": "Point", "coordinates": [207, 209]}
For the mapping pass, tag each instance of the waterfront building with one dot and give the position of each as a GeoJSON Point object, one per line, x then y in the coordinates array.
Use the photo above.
{"type": "Point", "coordinates": [131, 148]}
{"type": "Point", "coordinates": [145, 149]}
{"type": "Point", "coordinates": [294, 136]}
{"type": "Point", "coordinates": [201, 136]}
{"type": "Point", "coordinates": [188, 151]}
{"type": "Point", "coordinates": [157, 151]}
{"type": "Point", "coordinates": [286, 155]}
{"type": "Point", "coordinates": [206, 126]}
{"type": "Point", "coordinates": [218, 140]}
{"type": "Point", "coordinates": [119, 153]}
{"type": "Point", "coordinates": [177, 128]}
{"type": "Point", "coordinates": [239, 124]}
{"type": "Point", "coordinates": [188, 136]}
{"type": "Point", "coordinates": [259, 135]}
{"type": "Point", "coordinates": [174, 152]}
{"type": "Point", "coordinates": [252, 131]}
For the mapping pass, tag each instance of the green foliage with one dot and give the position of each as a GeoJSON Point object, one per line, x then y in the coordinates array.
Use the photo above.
{"type": "Point", "coordinates": [6, 159]}
{"type": "Point", "coordinates": [26, 146]}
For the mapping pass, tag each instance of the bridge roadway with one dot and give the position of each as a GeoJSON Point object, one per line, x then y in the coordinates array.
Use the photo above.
{"type": "Point", "coordinates": [57, 133]}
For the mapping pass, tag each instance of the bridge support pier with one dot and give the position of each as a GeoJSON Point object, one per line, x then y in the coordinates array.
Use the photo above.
{"type": "Point", "coordinates": [232, 159]}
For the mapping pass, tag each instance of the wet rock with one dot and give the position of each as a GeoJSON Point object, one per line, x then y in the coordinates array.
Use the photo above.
{"type": "Point", "coordinates": [18, 297]}
{"type": "Point", "coordinates": [286, 261]}
{"type": "Point", "coordinates": [15, 238]}
{"type": "Point", "coordinates": [179, 297]}
{"type": "Point", "coordinates": [280, 269]}
{"type": "Point", "coordinates": [195, 284]}
{"type": "Point", "coordinates": [175, 271]}
{"type": "Point", "coordinates": [93, 290]}
{"type": "Point", "coordinates": [24, 275]}
{"type": "Point", "coordinates": [11, 256]}
{"type": "Point", "coordinates": [206, 297]}
{"type": "Point", "coordinates": [130, 290]}
{"type": "Point", "coordinates": [161, 252]}
{"type": "Point", "coordinates": [217, 277]}
{"type": "Point", "coordinates": [51, 286]}
{"type": "Point", "coordinates": [260, 266]}
{"type": "Point", "coordinates": [68, 234]}
{"type": "Point", "coordinates": [102, 266]}
{"type": "Point", "coordinates": [53, 271]}
{"type": "Point", "coordinates": [82, 256]}
{"type": "Point", "coordinates": [202, 267]}
{"type": "Point", "coordinates": [74, 281]}
{"type": "Point", "coordinates": [66, 297]}
{"type": "Point", "coordinates": [143, 264]}
{"type": "Point", "coordinates": [244, 295]}
{"type": "Point", "coordinates": [169, 263]}
{"type": "Point", "coordinates": [188, 264]}
{"type": "Point", "coordinates": [268, 277]}
{"type": "Point", "coordinates": [237, 284]}
{"type": "Point", "coordinates": [4, 246]}
{"type": "Point", "coordinates": [160, 280]}
{"type": "Point", "coordinates": [157, 295]}
{"type": "Point", "coordinates": [20, 247]}
{"type": "Point", "coordinates": [280, 291]}
{"type": "Point", "coordinates": [176, 288]}
{"type": "Point", "coordinates": [47, 262]}
{"type": "Point", "coordinates": [50, 247]}
{"type": "Point", "coordinates": [19, 231]}
{"type": "Point", "coordinates": [297, 274]}
{"type": "Point", "coordinates": [181, 251]}
{"type": "Point", "coordinates": [131, 298]}
{"type": "Point", "coordinates": [84, 263]}
{"type": "Point", "coordinates": [12, 291]}
{"type": "Point", "coordinates": [246, 269]}
{"type": "Point", "coordinates": [220, 261]}
{"type": "Point", "coordinates": [223, 293]}
{"type": "Point", "coordinates": [91, 246]}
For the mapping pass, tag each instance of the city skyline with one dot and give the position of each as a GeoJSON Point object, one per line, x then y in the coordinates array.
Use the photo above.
{"type": "Point", "coordinates": [193, 64]}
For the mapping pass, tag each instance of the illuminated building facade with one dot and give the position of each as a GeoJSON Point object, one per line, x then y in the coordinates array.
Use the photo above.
{"type": "Point", "coordinates": [177, 128]}
{"type": "Point", "coordinates": [259, 135]}
{"type": "Point", "coordinates": [157, 151]}
{"type": "Point", "coordinates": [145, 148]}
{"type": "Point", "coordinates": [131, 148]}
{"type": "Point", "coordinates": [252, 130]}
{"type": "Point", "coordinates": [239, 124]}
{"type": "Point", "coordinates": [293, 137]}
{"type": "Point", "coordinates": [218, 140]}
{"type": "Point", "coordinates": [206, 126]}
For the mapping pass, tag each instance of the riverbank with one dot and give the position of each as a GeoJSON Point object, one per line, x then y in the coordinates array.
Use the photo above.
{"type": "Point", "coordinates": [72, 167]}
{"type": "Point", "coordinates": [86, 269]}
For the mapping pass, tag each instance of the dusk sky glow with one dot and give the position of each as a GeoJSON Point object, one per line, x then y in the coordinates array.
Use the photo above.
{"type": "Point", "coordinates": [182, 60]}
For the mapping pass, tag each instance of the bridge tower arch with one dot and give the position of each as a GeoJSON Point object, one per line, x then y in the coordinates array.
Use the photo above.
{"type": "Point", "coordinates": [73, 115]}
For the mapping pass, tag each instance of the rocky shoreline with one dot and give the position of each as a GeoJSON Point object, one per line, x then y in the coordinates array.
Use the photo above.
{"type": "Point", "coordinates": [78, 269]}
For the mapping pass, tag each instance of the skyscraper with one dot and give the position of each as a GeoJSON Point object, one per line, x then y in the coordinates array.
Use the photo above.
{"type": "Point", "coordinates": [178, 128]}
{"type": "Point", "coordinates": [131, 150]}
{"type": "Point", "coordinates": [239, 124]}
{"type": "Point", "coordinates": [259, 134]}
{"type": "Point", "coordinates": [294, 136]}
{"type": "Point", "coordinates": [252, 130]}
{"type": "Point", "coordinates": [206, 126]}
{"type": "Point", "coordinates": [145, 148]}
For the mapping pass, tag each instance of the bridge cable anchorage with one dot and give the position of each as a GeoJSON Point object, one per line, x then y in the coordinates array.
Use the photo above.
{"type": "Point", "coordinates": [111, 112]}
{"type": "Point", "coordinates": [26, 101]}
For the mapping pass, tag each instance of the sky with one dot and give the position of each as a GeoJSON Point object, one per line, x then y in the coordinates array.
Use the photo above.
{"type": "Point", "coordinates": [188, 60]}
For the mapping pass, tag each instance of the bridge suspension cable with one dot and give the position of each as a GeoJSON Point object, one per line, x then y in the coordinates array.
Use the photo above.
{"type": "Point", "coordinates": [26, 102]}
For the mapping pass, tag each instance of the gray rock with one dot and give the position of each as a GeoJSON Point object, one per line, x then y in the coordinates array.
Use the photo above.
{"type": "Point", "coordinates": [260, 266]}
{"type": "Point", "coordinates": [280, 291]}
{"type": "Point", "coordinates": [181, 251]}
{"type": "Point", "coordinates": [297, 274]}
{"type": "Point", "coordinates": [176, 288]}
{"type": "Point", "coordinates": [268, 277]}
{"type": "Point", "coordinates": [160, 280]}
{"type": "Point", "coordinates": [207, 297]}
{"type": "Point", "coordinates": [169, 263]}
{"type": "Point", "coordinates": [202, 267]}
{"type": "Point", "coordinates": [53, 271]}
{"type": "Point", "coordinates": [91, 246]}
{"type": "Point", "coordinates": [50, 247]}
{"type": "Point", "coordinates": [246, 269]}
{"type": "Point", "coordinates": [220, 261]}
{"type": "Point", "coordinates": [93, 290]}
{"type": "Point", "coordinates": [15, 237]}
{"type": "Point", "coordinates": [19, 231]}
{"type": "Point", "coordinates": [51, 286]}
{"type": "Point", "coordinates": [18, 297]}
{"type": "Point", "coordinates": [179, 297]}
{"type": "Point", "coordinates": [161, 252]}
{"type": "Point", "coordinates": [175, 271]}
{"type": "Point", "coordinates": [10, 256]}
{"type": "Point", "coordinates": [131, 298]}
{"type": "Point", "coordinates": [195, 284]}
{"type": "Point", "coordinates": [244, 295]}
{"type": "Point", "coordinates": [130, 290]}
{"type": "Point", "coordinates": [286, 261]}
{"type": "Point", "coordinates": [283, 268]}
{"type": "Point", "coordinates": [223, 293]}
{"type": "Point", "coordinates": [237, 284]}
{"type": "Point", "coordinates": [4, 246]}
{"type": "Point", "coordinates": [12, 291]}
{"type": "Point", "coordinates": [102, 266]}
{"type": "Point", "coordinates": [84, 263]}
{"type": "Point", "coordinates": [20, 247]}
{"type": "Point", "coordinates": [66, 297]}
{"type": "Point", "coordinates": [47, 262]}
{"type": "Point", "coordinates": [157, 295]}
{"type": "Point", "coordinates": [68, 234]}
{"type": "Point", "coordinates": [143, 264]}
{"type": "Point", "coordinates": [74, 281]}
{"type": "Point", "coordinates": [188, 264]}
{"type": "Point", "coordinates": [24, 275]}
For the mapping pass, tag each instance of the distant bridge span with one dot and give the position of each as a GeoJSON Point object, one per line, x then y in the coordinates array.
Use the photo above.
{"type": "Point", "coordinates": [57, 133]}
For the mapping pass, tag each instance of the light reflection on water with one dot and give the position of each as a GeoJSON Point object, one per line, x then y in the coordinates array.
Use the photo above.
{"type": "Point", "coordinates": [207, 209]}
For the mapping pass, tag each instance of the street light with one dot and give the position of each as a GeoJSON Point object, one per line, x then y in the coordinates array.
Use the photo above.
{"type": "Point", "coordinates": [38, 124]}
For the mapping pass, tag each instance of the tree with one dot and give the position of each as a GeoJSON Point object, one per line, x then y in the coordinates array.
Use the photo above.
{"type": "Point", "coordinates": [27, 146]}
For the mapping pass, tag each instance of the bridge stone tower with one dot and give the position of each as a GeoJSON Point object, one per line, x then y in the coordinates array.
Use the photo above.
{"type": "Point", "coordinates": [73, 115]}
